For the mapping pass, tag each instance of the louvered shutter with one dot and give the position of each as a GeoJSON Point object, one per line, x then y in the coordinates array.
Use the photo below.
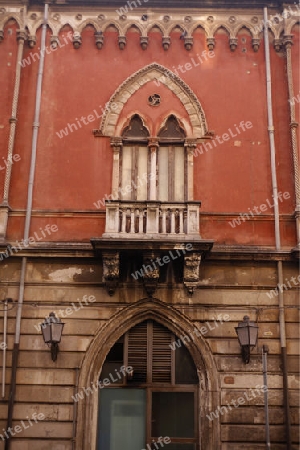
{"type": "Point", "coordinates": [161, 354]}
{"type": "Point", "coordinates": [137, 352]}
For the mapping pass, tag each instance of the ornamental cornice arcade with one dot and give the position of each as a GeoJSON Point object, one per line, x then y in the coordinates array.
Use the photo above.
{"type": "Point", "coordinates": [144, 20]}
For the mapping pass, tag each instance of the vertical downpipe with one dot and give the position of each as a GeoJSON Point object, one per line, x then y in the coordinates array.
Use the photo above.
{"type": "Point", "coordinates": [277, 235]}
{"type": "Point", "coordinates": [4, 208]}
{"type": "Point", "coordinates": [27, 224]}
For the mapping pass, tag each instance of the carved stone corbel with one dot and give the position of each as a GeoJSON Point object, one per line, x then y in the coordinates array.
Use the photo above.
{"type": "Point", "coordinates": [150, 272]}
{"type": "Point", "coordinates": [233, 42]}
{"type": "Point", "coordinates": [188, 43]}
{"type": "Point", "coordinates": [31, 41]}
{"type": "Point", "coordinates": [1, 35]}
{"type": "Point", "coordinates": [144, 40]}
{"type": "Point", "coordinates": [191, 271]}
{"type": "Point", "coordinates": [277, 44]}
{"type": "Point", "coordinates": [255, 44]}
{"type": "Point", "coordinates": [111, 271]}
{"type": "Point", "coordinates": [210, 42]}
{"type": "Point", "coordinates": [77, 41]}
{"type": "Point", "coordinates": [99, 39]}
{"type": "Point", "coordinates": [166, 42]}
{"type": "Point", "coordinates": [122, 42]}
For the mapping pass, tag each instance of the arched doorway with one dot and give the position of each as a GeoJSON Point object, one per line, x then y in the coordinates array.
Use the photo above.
{"type": "Point", "coordinates": [149, 392]}
{"type": "Point", "coordinates": [208, 391]}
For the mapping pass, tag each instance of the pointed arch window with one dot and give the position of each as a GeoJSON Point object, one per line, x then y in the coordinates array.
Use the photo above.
{"type": "Point", "coordinates": [162, 165]}
{"type": "Point", "coordinates": [159, 399]}
{"type": "Point", "coordinates": [171, 162]}
{"type": "Point", "coordinates": [134, 161]}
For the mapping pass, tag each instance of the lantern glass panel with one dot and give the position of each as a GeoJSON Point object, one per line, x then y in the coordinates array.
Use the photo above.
{"type": "Point", "coordinates": [57, 329]}
{"type": "Point", "coordinates": [46, 330]}
{"type": "Point", "coordinates": [243, 335]}
{"type": "Point", "coordinates": [253, 335]}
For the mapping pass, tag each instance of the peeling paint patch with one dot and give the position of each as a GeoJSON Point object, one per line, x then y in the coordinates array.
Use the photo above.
{"type": "Point", "coordinates": [64, 275]}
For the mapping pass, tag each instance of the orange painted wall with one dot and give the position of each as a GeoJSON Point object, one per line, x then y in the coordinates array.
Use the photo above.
{"type": "Point", "coordinates": [75, 171]}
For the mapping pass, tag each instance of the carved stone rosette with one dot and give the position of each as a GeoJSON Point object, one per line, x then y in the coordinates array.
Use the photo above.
{"type": "Point", "coordinates": [191, 271]}
{"type": "Point", "coordinates": [111, 271]}
{"type": "Point", "coordinates": [150, 272]}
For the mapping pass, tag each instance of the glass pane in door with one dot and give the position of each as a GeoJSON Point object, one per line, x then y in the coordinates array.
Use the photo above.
{"type": "Point", "coordinates": [173, 414]}
{"type": "Point", "coordinates": [122, 419]}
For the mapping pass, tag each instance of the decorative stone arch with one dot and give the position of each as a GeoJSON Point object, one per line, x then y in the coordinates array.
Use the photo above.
{"type": "Point", "coordinates": [7, 18]}
{"type": "Point", "coordinates": [290, 26]}
{"type": "Point", "coordinates": [110, 332]}
{"type": "Point", "coordinates": [133, 25]}
{"type": "Point", "coordinates": [242, 25]}
{"type": "Point", "coordinates": [175, 26]}
{"type": "Point", "coordinates": [156, 25]}
{"type": "Point", "coordinates": [202, 26]}
{"type": "Point", "coordinates": [112, 23]}
{"type": "Point", "coordinates": [126, 121]}
{"type": "Point", "coordinates": [152, 72]}
{"type": "Point", "coordinates": [88, 22]}
{"type": "Point", "coordinates": [33, 28]}
{"type": "Point", "coordinates": [225, 27]}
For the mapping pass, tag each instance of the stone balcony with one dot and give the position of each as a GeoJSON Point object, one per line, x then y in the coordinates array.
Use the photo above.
{"type": "Point", "coordinates": [142, 232]}
{"type": "Point", "coordinates": [152, 220]}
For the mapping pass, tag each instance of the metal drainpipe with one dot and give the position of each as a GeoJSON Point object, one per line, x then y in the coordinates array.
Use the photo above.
{"type": "Point", "coordinates": [277, 234]}
{"type": "Point", "coordinates": [21, 37]}
{"type": "Point", "coordinates": [288, 42]}
{"type": "Point", "coordinates": [27, 223]}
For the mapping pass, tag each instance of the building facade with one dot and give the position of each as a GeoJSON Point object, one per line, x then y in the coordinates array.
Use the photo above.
{"type": "Point", "coordinates": [151, 200]}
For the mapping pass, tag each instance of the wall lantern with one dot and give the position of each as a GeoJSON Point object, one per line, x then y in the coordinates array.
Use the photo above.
{"type": "Point", "coordinates": [52, 330]}
{"type": "Point", "coordinates": [247, 335]}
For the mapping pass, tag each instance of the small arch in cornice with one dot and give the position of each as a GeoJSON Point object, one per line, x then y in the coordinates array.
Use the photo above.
{"type": "Point", "coordinates": [155, 26]}
{"type": "Point", "coordinates": [113, 24]}
{"type": "Point", "coordinates": [200, 27]}
{"type": "Point", "coordinates": [244, 26]}
{"type": "Point", "coordinates": [89, 22]}
{"type": "Point", "coordinates": [125, 122]}
{"type": "Point", "coordinates": [33, 30]}
{"type": "Point", "coordinates": [175, 27]}
{"type": "Point", "coordinates": [66, 27]}
{"type": "Point", "coordinates": [134, 26]}
{"type": "Point", "coordinates": [291, 25]}
{"type": "Point", "coordinates": [222, 27]}
{"type": "Point", "coordinates": [7, 18]}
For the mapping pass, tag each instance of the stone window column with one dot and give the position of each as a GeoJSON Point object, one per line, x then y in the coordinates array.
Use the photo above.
{"type": "Point", "coordinates": [153, 146]}
{"type": "Point", "coordinates": [190, 145]}
{"type": "Point", "coordinates": [116, 143]}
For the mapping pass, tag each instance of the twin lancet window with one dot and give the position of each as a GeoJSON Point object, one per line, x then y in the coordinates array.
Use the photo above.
{"type": "Point", "coordinates": [153, 169]}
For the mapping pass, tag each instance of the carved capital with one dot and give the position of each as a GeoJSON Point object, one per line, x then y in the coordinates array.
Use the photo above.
{"type": "Point", "coordinates": [150, 272]}
{"type": "Point", "coordinates": [144, 40]}
{"type": "Point", "coordinates": [111, 271]}
{"type": "Point", "coordinates": [77, 41]}
{"type": "Point", "coordinates": [99, 39]}
{"type": "Point", "coordinates": [153, 144]}
{"type": "Point", "coordinates": [166, 42]}
{"type": "Point", "coordinates": [188, 43]}
{"type": "Point", "coordinates": [191, 271]}
{"type": "Point", "coordinates": [233, 42]}
{"type": "Point", "coordinates": [190, 143]}
{"type": "Point", "coordinates": [210, 42]}
{"type": "Point", "coordinates": [255, 44]}
{"type": "Point", "coordinates": [122, 42]}
{"type": "Point", "coordinates": [116, 143]}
